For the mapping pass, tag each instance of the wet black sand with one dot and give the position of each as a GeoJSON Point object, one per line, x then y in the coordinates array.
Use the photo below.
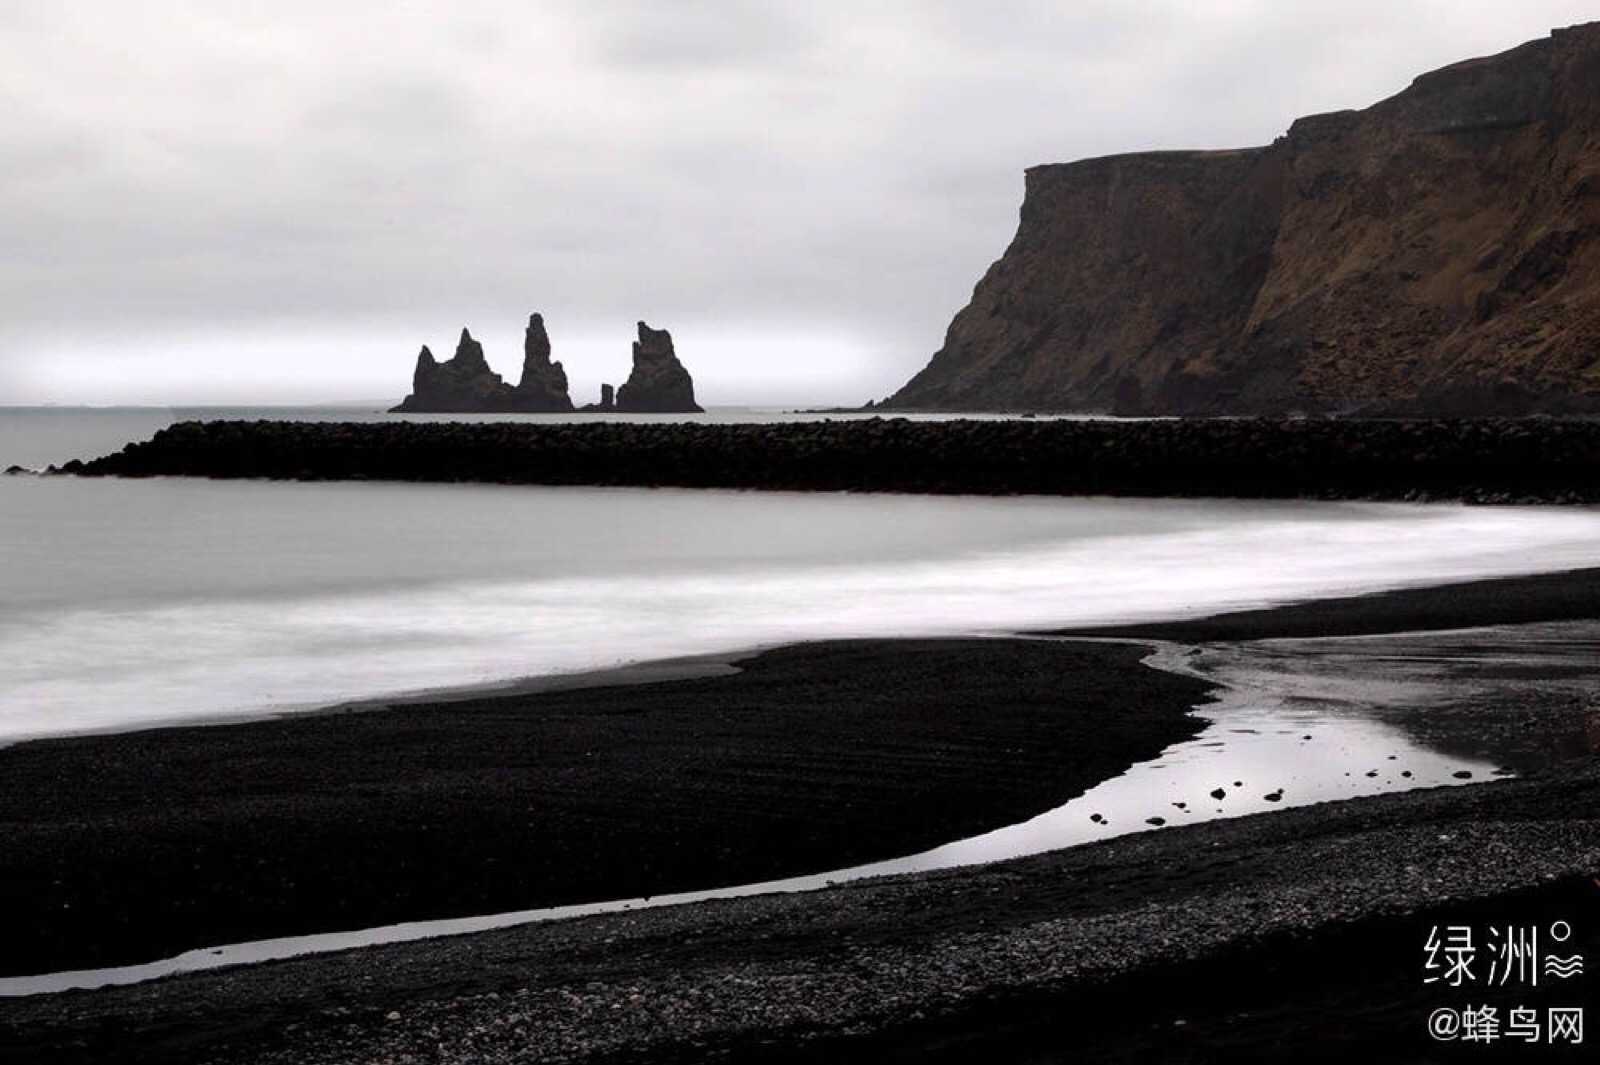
{"type": "Point", "coordinates": [1296, 933]}
{"type": "Point", "coordinates": [1542, 597]}
{"type": "Point", "coordinates": [130, 848]}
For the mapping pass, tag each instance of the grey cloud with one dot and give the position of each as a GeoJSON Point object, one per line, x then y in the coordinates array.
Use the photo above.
{"type": "Point", "coordinates": [391, 107]}
{"type": "Point", "coordinates": [697, 35]}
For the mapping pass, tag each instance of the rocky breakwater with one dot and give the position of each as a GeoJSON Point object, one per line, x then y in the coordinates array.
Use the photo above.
{"type": "Point", "coordinates": [465, 384]}
{"type": "Point", "coordinates": [1437, 253]}
{"type": "Point", "coordinates": [658, 383]}
{"type": "Point", "coordinates": [1489, 460]}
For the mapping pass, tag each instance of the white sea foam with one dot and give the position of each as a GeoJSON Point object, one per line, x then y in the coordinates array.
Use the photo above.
{"type": "Point", "coordinates": [133, 603]}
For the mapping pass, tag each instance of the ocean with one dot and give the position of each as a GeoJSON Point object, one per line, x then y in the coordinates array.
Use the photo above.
{"type": "Point", "coordinates": [132, 603]}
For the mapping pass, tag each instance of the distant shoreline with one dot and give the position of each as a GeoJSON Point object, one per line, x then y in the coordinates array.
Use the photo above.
{"type": "Point", "coordinates": [1488, 461]}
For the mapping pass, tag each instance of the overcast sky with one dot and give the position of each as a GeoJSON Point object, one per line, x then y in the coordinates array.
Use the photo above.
{"type": "Point", "coordinates": [221, 200]}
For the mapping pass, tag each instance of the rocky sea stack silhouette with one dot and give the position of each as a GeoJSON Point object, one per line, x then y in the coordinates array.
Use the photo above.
{"type": "Point", "coordinates": [1436, 253]}
{"type": "Point", "coordinates": [659, 384]}
{"type": "Point", "coordinates": [543, 388]}
{"type": "Point", "coordinates": [464, 384]}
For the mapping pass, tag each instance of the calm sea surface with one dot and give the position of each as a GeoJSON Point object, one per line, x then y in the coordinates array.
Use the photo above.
{"type": "Point", "coordinates": [128, 603]}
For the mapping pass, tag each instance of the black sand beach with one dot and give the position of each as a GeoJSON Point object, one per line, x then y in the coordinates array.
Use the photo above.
{"type": "Point", "coordinates": [1298, 932]}
{"type": "Point", "coordinates": [1567, 596]}
{"type": "Point", "coordinates": [133, 847]}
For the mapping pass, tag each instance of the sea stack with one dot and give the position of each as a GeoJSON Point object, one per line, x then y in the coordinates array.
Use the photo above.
{"type": "Point", "coordinates": [607, 404]}
{"type": "Point", "coordinates": [659, 384]}
{"type": "Point", "coordinates": [543, 387]}
{"type": "Point", "coordinates": [466, 385]}
{"type": "Point", "coordinates": [463, 384]}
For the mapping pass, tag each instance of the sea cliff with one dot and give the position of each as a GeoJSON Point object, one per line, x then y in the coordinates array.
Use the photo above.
{"type": "Point", "coordinates": [1435, 253]}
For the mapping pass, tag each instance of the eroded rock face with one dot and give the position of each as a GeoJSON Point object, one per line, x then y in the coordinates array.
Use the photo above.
{"type": "Point", "coordinates": [659, 384]}
{"type": "Point", "coordinates": [464, 383]}
{"type": "Point", "coordinates": [1438, 252]}
{"type": "Point", "coordinates": [543, 387]}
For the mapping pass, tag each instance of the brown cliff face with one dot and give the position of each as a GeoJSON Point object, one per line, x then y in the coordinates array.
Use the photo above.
{"type": "Point", "coordinates": [1438, 252]}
